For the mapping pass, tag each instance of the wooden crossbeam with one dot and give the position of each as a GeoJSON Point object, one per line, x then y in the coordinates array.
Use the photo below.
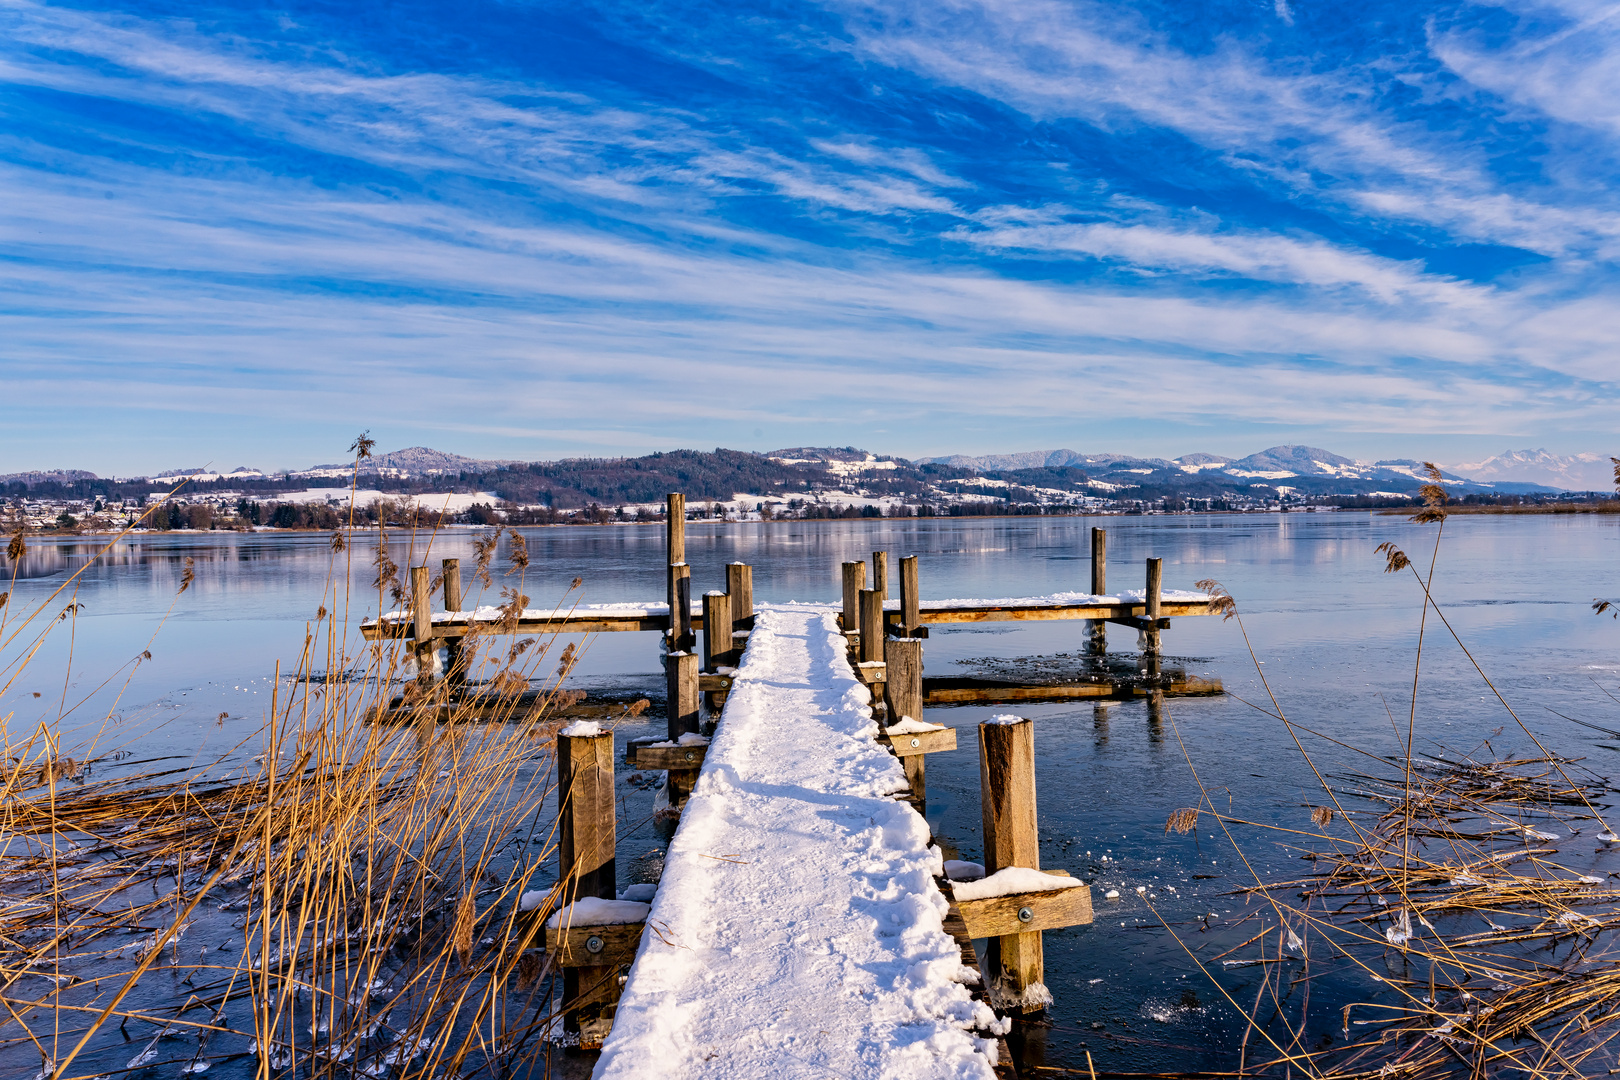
{"type": "Point", "coordinates": [920, 742]}
{"type": "Point", "coordinates": [594, 946]}
{"type": "Point", "coordinates": [1025, 913]}
{"type": "Point", "coordinates": [677, 758]}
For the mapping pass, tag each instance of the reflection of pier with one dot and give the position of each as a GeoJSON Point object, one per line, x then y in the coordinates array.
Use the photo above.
{"type": "Point", "coordinates": [797, 837]}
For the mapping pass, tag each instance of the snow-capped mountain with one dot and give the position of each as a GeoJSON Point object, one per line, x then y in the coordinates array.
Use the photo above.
{"type": "Point", "coordinates": [1572, 472]}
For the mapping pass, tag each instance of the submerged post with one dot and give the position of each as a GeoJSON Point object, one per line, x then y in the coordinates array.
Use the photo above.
{"type": "Point", "coordinates": [910, 600]}
{"type": "Point", "coordinates": [1007, 794]}
{"type": "Point", "coordinates": [675, 538]}
{"type": "Point", "coordinates": [903, 692]}
{"type": "Point", "coordinates": [1097, 632]}
{"type": "Point", "coordinates": [422, 623]}
{"type": "Point", "coordinates": [455, 668]}
{"type": "Point", "coordinates": [1155, 580]}
{"type": "Point", "coordinates": [854, 582]}
{"type": "Point", "coordinates": [880, 573]}
{"type": "Point", "coordinates": [585, 847]}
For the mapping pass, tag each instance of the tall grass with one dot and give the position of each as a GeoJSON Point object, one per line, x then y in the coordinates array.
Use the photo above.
{"type": "Point", "coordinates": [349, 905]}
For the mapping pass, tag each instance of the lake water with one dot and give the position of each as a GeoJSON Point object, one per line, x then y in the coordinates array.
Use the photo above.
{"type": "Point", "coordinates": [1335, 634]}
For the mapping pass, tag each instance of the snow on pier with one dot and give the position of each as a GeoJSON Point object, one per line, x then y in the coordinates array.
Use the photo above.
{"type": "Point", "coordinates": [797, 930]}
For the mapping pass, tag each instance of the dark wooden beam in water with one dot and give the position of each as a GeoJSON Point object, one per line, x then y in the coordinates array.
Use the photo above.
{"type": "Point", "coordinates": [946, 691]}
{"type": "Point", "coordinates": [936, 613]}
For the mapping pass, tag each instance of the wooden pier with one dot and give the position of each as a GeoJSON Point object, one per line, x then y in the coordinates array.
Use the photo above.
{"type": "Point", "coordinates": [794, 763]}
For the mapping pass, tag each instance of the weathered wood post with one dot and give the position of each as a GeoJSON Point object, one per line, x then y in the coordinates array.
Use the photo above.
{"type": "Point", "coordinates": [903, 692]}
{"type": "Point", "coordinates": [422, 622]}
{"type": "Point", "coordinates": [681, 638]}
{"type": "Point", "coordinates": [681, 682]}
{"type": "Point", "coordinates": [854, 582]}
{"type": "Point", "coordinates": [1155, 579]}
{"type": "Point", "coordinates": [871, 624]}
{"type": "Point", "coordinates": [740, 586]}
{"type": "Point", "coordinates": [716, 630]}
{"type": "Point", "coordinates": [585, 847]}
{"type": "Point", "coordinates": [675, 538]}
{"type": "Point", "coordinates": [880, 573]}
{"type": "Point", "coordinates": [1097, 632]}
{"type": "Point", "coordinates": [1007, 796]}
{"type": "Point", "coordinates": [455, 668]}
{"type": "Point", "coordinates": [910, 599]}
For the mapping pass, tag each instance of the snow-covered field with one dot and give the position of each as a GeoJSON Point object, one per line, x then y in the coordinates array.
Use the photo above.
{"type": "Point", "coordinates": [799, 927]}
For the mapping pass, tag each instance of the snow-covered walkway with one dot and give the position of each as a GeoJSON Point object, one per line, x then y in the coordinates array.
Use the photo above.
{"type": "Point", "coordinates": [797, 929]}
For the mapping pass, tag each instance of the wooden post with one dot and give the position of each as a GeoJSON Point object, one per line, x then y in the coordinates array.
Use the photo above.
{"type": "Point", "coordinates": [1155, 579]}
{"type": "Point", "coordinates": [680, 612]}
{"type": "Point", "coordinates": [716, 630]}
{"type": "Point", "coordinates": [585, 846]}
{"type": "Point", "coordinates": [1007, 799]}
{"type": "Point", "coordinates": [903, 692]}
{"type": "Point", "coordinates": [1097, 632]}
{"type": "Point", "coordinates": [880, 573]}
{"type": "Point", "coordinates": [681, 682]}
{"type": "Point", "coordinates": [422, 618]}
{"type": "Point", "coordinates": [740, 585]}
{"type": "Point", "coordinates": [910, 599]}
{"type": "Point", "coordinates": [871, 624]}
{"type": "Point", "coordinates": [675, 538]}
{"type": "Point", "coordinates": [854, 582]}
{"type": "Point", "coordinates": [455, 668]}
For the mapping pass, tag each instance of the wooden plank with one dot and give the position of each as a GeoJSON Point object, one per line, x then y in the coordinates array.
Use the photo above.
{"type": "Point", "coordinates": [967, 613]}
{"type": "Point", "coordinates": [710, 681]}
{"type": "Point", "coordinates": [572, 946]}
{"type": "Point", "coordinates": [676, 758]}
{"type": "Point", "coordinates": [921, 742]}
{"type": "Point", "coordinates": [871, 625]}
{"type": "Point", "coordinates": [973, 691]}
{"type": "Point", "coordinates": [854, 582]}
{"type": "Point", "coordinates": [880, 573]}
{"type": "Point", "coordinates": [1155, 585]}
{"type": "Point", "coordinates": [997, 916]}
{"type": "Point", "coordinates": [1099, 562]}
{"type": "Point", "coordinates": [870, 673]}
{"type": "Point", "coordinates": [910, 598]}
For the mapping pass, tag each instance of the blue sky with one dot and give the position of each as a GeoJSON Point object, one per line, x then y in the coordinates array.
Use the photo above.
{"type": "Point", "coordinates": [538, 230]}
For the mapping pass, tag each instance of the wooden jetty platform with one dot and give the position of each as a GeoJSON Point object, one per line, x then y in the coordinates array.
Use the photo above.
{"type": "Point", "coordinates": [804, 924]}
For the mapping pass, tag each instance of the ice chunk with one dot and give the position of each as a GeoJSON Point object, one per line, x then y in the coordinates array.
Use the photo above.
{"type": "Point", "coordinates": [641, 894]}
{"type": "Point", "coordinates": [1011, 880]}
{"type": "Point", "coordinates": [957, 870]}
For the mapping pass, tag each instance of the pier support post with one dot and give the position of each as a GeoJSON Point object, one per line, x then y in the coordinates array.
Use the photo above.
{"type": "Point", "coordinates": [716, 630]}
{"type": "Point", "coordinates": [854, 582]}
{"type": "Point", "coordinates": [1155, 580]}
{"type": "Point", "coordinates": [422, 620]}
{"type": "Point", "coordinates": [681, 638]}
{"type": "Point", "coordinates": [880, 573]}
{"type": "Point", "coordinates": [675, 538]}
{"type": "Point", "coordinates": [455, 668]}
{"type": "Point", "coordinates": [871, 624]}
{"type": "Point", "coordinates": [903, 692]}
{"type": "Point", "coordinates": [681, 684]}
{"type": "Point", "coordinates": [1097, 630]}
{"type": "Point", "coordinates": [740, 586]}
{"type": "Point", "coordinates": [1007, 793]}
{"type": "Point", "coordinates": [910, 599]}
{"type": "Point", "coordinates": [585, 847]}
